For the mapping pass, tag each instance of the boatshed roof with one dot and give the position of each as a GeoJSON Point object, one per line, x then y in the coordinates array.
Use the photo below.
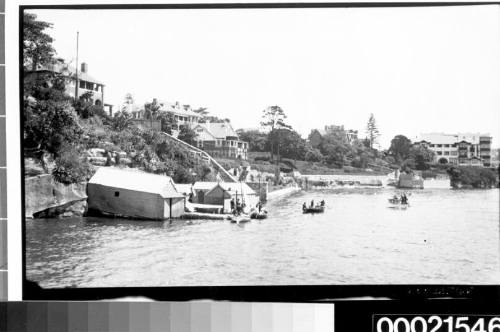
{"type": "Point", "coordinates": [136, 181]}
{"type": "Point", "coordinates": [232, 187]}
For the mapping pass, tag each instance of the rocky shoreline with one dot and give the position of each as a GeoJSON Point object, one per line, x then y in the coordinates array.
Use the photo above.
{"type": "Point", "coordinates": [47, 198]}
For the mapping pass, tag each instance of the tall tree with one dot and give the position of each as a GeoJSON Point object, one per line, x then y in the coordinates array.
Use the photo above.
{"type": "Point", "coordinates": [422, 156]}
{"type": "Point", "coordinates": [315, 138]}
{"type": "Point", "coordinates": [400, 147]}
{"type": "Point", "coordinates": [256, 140]}
{"type": "Point", "coordinates": [37, 45]}
{"type": "Point", "coordinates": [273, 118]}
{"type": "Point", "coordinates": [372, 130]}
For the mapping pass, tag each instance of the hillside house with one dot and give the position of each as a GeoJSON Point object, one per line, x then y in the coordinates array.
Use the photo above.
{"type": "Point", "coordinates": [86, 83]}
{"type": "Point", "coordinates": [220, 140]}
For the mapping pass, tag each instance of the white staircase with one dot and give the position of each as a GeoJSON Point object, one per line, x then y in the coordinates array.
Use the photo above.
{"type": "Point", "coordinates": [226, 176]}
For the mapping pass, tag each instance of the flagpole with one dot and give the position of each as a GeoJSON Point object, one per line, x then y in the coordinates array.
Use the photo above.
{"type": "Point", "coordinates": [76, 82]}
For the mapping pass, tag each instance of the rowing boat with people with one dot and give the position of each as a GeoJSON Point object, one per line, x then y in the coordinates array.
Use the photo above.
{"type": "Point", "coordinates": [314, 209]}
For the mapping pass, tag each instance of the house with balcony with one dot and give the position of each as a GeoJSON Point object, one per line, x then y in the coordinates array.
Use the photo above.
{"type": "Point", "coordinates": [219, 139]}
{"type": "Point", "coordinates": [466, 149]}
{"type": "Point", "coordinates": [76, 84]}
{"type": "Point", "coordinates": [183, 114]}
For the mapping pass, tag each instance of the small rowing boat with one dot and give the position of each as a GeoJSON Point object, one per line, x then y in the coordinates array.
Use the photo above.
{"type": "Point", "coordinates": [259, 215]}
{"type": "Point", "coordinates": [242, 218]}
{"type": "Point", "coordinates": [314, 209]}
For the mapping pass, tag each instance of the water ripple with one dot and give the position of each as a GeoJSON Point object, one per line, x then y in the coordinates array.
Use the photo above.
{"type": "Point", "coordinates": [445, 237]}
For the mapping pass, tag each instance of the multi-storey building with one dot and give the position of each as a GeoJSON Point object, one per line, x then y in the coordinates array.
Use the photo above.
{"type": "Point", "coordinates": [220, 140]}
{"type": "Point", "coordinates": [86, 83]}
{"type": "Point", "coordinates": [183, 114]}
{"type": "Point", "coordinates": [472, 149]}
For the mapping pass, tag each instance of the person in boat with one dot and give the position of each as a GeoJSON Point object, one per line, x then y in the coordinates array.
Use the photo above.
{"type": "Point", "coordinates": [232, 204]}
{"type": "Point", "coordinates": [304, 206]}
{"type": "Point", "coordinates": [322, 203]}
{"type": "Point", "coordinates": [312, 203]}
{"type": "Point", "coordinates": [404, 199]}
{"type": "Point", "coordinates": [190, 199]}
{"type": "Point", "coordinates": [259, 206]}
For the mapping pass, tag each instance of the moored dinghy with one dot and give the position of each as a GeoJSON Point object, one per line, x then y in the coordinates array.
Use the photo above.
{"type": "Point", "coordinates": [259, 215]}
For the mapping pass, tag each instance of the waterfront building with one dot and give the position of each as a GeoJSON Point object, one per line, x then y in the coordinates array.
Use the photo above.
{"type": "Point", "coordinates": [86, 82]}
{"type": "Point", "coordinates": [219, 193]}
{"type": "Point", "coordinates": [134, 194]}
{"type": "Point", "coordinates": [219, 139]}
{"type": "Point", "coordinates": [467, 149]}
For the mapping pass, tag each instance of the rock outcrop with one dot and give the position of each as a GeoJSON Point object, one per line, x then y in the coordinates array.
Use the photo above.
{"type": "Point", "coordinates": [46, 198]}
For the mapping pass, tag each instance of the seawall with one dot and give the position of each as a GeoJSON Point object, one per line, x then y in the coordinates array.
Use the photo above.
{"type": "Point", "coordinates": [282, 192]}
{"type": "Point", "coordinates": [338, 180]}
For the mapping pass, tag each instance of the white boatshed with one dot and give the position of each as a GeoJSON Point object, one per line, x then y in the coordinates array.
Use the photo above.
{"type": "Point", "coordinates": [134, 194]}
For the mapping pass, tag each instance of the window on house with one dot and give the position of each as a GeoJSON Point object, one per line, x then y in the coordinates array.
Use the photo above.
{"type": "Point", "coordinates": [117, 194]}
{"type": "Point", "coordinates": [439, 153]}
{"type": "Point", "coordinates": [446, 153]}
{"type": "Point", "coordinates": [82, 84]}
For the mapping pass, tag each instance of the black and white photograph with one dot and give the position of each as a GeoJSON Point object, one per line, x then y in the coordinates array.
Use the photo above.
{"type": "Point", "coordinates": [260, 146]}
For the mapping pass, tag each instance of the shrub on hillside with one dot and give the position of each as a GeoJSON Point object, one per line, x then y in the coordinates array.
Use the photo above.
{"type": "Point", "coordinates": [71, 167]}
{"type": "Point", "coordinates": [313, 155]}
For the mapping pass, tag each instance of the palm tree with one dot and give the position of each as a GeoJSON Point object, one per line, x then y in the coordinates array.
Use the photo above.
{"type": "Point", "coordinates": [151, 110]}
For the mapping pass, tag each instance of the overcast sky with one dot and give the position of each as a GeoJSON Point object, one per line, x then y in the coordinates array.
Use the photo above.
{"type": "Point", "coordinates": [417, 69]}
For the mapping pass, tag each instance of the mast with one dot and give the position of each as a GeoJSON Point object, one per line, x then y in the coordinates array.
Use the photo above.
{"type": "Point", "coordinates": [76, 82]}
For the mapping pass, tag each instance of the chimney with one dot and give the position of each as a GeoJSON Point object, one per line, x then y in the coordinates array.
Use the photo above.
{"type": "Point", "coordinates": [84, 68]}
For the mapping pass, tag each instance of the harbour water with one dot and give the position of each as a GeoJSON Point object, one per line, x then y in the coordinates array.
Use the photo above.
{"type": "Point", "coordinates": [444, 237]}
